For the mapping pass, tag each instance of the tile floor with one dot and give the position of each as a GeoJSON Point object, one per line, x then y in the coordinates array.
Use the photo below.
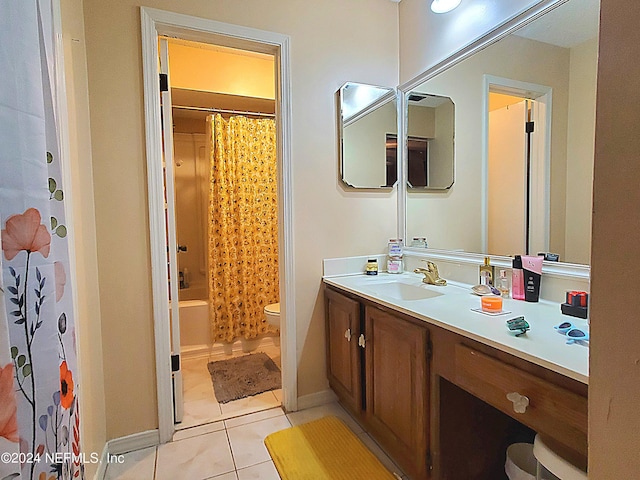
{"type": "Point", "coordinates": [226, 441]}
{"type": "Point", "coordinates": [231, 449]}
{"type": "Point", "coordinates": [200, 404]}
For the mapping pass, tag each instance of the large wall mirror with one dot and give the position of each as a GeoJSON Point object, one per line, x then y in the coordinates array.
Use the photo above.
{"type": "Point", "coordinates": [524, 141]}
{"type": "Point", "coordinates": [368, 122]}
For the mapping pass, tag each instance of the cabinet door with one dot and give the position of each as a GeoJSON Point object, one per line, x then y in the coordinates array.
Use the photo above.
{"type": "Point", "coordinates": [397, 385]}
{"type": "Point", "coordinates": [343, 357]}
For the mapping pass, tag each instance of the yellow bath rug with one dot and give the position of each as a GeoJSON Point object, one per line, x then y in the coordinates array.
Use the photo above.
{"type": "Point", "coordinates": [323, 449]}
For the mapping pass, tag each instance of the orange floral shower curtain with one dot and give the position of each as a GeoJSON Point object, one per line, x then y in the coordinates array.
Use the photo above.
{"type": "Point", "coordinates": [243, 226]}
{"type": "Point", "coordinates": [40, 384]}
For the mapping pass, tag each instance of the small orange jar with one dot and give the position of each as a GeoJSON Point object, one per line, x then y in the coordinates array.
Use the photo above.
{"type": "Point", "coordinates": [491, 304]}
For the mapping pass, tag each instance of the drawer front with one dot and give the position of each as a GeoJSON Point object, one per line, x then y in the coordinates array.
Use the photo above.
{"type": "Point", "coordinates": [547, 409]}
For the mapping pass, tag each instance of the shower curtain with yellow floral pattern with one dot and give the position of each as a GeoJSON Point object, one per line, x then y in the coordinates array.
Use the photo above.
{"type": "Point", "coordinates": [243, 226]}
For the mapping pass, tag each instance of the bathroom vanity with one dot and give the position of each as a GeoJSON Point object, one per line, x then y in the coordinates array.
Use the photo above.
{"type": "Point", "coordinates": [444, 389]}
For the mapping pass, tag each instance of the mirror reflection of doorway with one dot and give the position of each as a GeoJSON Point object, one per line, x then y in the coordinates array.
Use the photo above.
{"type": "Point", "coordinates": [518, 160]}
{"type": "Point", "coordinates": [417, 161]}
{"type": "Point", "coordinates": [508, 177]}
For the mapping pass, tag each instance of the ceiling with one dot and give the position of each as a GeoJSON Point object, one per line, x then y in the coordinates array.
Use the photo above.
{"type": "Point", "coordinates": [567, 25]}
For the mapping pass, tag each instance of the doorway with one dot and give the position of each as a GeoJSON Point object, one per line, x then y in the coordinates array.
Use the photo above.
{"type": "Point", "coordinates": [155, 24]}
{"type": "Point", "coordinates": [225, 189]}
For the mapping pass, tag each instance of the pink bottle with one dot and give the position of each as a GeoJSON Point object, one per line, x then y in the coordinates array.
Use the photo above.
{"type": "Point", "coordinates": [517, 279]}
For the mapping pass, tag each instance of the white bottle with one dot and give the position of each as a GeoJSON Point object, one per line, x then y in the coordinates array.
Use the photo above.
{"type": "Point", "coordinates": [503, 286]}
{"type": "Point", "coordinates": [394, 261]}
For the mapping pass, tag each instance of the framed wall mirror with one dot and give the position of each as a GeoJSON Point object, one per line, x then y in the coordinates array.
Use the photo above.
{"type": "Point", "coordinates": [524, 141]}
{"type": "Point", "coordinates": [368, 131]}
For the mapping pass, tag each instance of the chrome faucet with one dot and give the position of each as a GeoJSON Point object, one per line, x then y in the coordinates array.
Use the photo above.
{"type": "Point", "coordinates": [431, 274]}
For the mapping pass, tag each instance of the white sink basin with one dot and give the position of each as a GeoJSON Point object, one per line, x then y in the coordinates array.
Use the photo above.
{"type": "Point", "coordinates": [402, 291]}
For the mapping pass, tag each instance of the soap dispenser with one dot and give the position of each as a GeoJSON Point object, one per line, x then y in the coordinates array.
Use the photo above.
{"type": "Point", "coordinates": [486, 272]}
{"type": "Point", "coordinates": [517, 279]}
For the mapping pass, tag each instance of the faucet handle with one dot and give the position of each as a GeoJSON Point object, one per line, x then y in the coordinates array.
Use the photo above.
{"type": "Point", "coordinates": [431, 273]}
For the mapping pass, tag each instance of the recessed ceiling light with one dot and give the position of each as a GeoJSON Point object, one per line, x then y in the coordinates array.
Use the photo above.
{"type": "Point", "coordinates": [444, 6]}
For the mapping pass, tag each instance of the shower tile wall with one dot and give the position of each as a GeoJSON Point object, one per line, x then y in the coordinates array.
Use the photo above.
{"type": "Point", "coordinates": [192, 190]}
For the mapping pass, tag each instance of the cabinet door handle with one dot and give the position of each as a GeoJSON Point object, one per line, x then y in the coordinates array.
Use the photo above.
{"type": "Point", "coordinates": [520, 402]}
{"type": "Point", "coordinates": [361, 340]}
{"type": "Point", "coordinates": [347, 334]}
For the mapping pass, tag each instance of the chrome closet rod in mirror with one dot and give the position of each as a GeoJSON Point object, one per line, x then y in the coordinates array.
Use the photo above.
{"type": "Point", "coordinates": [368, 132]}
{"type": "Point", "coordinates": [524, 140]}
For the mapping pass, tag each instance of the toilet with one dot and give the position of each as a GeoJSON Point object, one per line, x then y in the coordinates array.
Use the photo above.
{"type": "Point", "coordinates": [272, 314]}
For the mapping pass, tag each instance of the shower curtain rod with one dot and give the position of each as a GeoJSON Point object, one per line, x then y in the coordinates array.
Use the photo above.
{"type": "Point", "coordinates": [222, 110]}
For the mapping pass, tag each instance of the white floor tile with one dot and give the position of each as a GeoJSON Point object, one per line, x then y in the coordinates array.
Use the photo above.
{"type": "Point", "coordinates": [247, 441]}
{"type": "Point", "coordinates": [198, 388]}
{"type": "Point", "coordinates": [199, 430]}
{"type": "Point", "coordinates": [261, 471]}
{"type": "Point", "coordinates": [278, 394]}
{"type": "Point", "coordinates": [199, 412]}
{"type": "Point", "coordinates": [200, 404]}
{"type": "Point", "coordinates": [256, 403]}
{"type": "Point", "coordinates": [225, 476]}
{"type": "Point", "coordinates": [213, 451]}
{"type": "Point", "coordinates": [314, 413]}
{"type": "Point", "coordinates": [138, 465]}
{"type": "Point", "coordinates": [195, 458]}
{"type": "Point", "coordinates": [253, 417]}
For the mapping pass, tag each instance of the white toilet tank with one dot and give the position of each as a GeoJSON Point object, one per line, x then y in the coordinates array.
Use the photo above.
{"type": "Point", "coordinates": [272, 314]}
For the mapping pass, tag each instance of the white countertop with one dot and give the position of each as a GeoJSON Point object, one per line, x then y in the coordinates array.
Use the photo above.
{"type": "Point", "coordinates": [541, 345]}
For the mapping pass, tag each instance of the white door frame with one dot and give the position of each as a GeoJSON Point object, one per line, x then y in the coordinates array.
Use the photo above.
{"type": "Point", "coordinates": [172, 242]}
{"type": "Point", "coordinates": [158, 22]}
{"type": "Point", "coordinates": [540, 150]}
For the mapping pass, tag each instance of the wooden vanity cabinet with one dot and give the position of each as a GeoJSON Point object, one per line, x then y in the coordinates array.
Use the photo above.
{"type": "Point", "coordinates": [471, 430]}
{"type": "Point", "coordinates": [343, 354]}
{"type": "Point", "coordinates": [377, 364]}
{"type": "Point", "coordinates": [439, 403]}
{"type": "Point", "coordinates": [549, 408]}
{"type": "Point", "coordinates": [397, 381]}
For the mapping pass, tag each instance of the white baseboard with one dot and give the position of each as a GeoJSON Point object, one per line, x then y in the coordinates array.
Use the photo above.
{"type": "Point", "coordinates": [200, 351]}
{"type": "Point", "coordinates": [316, 399]}
{"type": "Point", "coordinates": [137, 441]}
{"type": "Point", "coordinates": [119, 446]}
{"type": "Point", "coordinates": [151, 438]}
{"type": "Point", "coordinates": [196, 351]}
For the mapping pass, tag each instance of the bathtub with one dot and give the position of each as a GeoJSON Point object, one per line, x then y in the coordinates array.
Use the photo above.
{"type": "Point", "coordinates": [195, 333]}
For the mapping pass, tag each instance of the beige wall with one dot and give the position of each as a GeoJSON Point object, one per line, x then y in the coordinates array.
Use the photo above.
{"type": "Point", "coordinates": [442, 146]}
{"type": "Point", "coordinates": [365, 146]}
{"type": "Point", "coordinates": [581, 126]}
{"type": "Point", "coordinates": [614, 384]}
{"type": "Point", "coordinates": [88, 319]}
{"type": "Point", "coordinates": [421, 121]}
{"type": "Point", "coordinates": [321, 61]}
{"type": "Point", "coordinates": [221, 70]}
